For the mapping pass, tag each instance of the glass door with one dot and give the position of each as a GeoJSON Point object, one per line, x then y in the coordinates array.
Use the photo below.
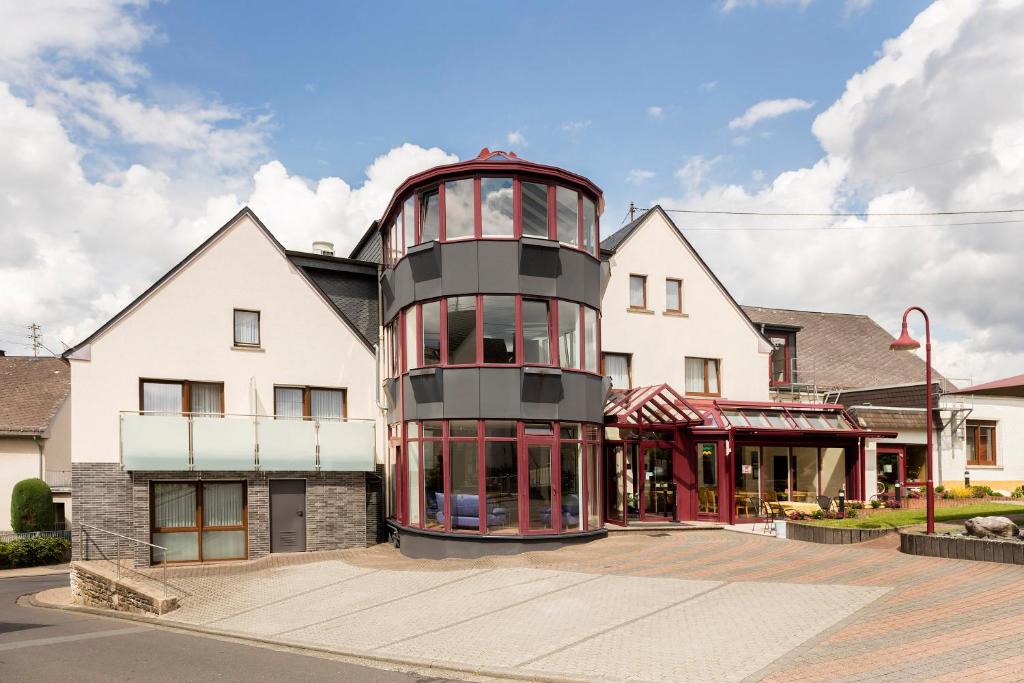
{"type": "Point", "coordinates": [707, 480]}
{"type": "Point", "coordinates": [634, 482]}
{"type": "Point", "coordinates": [659, 500]}
{"type": "Point", "coordinates": [540, 478]}
{"type": "Point", "coordinates": [615, 483]}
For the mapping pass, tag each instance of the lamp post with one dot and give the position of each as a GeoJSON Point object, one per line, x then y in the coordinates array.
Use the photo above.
{"type": "Point", "coordinates": [908, 343]}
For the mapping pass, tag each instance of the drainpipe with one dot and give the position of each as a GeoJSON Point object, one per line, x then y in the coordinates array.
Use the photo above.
{"type": "Point", "coordinates": [39, 445]}
{"type": "Point", "coordinates": [376, 347]}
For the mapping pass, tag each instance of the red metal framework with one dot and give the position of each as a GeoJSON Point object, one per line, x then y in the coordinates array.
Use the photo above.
{"type": "Point", "coordinates": [657, 405]}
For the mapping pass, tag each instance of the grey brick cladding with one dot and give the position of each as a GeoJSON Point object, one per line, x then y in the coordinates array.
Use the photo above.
{"type": "Point", "coordinates": [339, 507]}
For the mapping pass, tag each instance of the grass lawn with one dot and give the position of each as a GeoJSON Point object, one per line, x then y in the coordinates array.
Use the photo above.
{"type": "Point", "coordinates": [896, 518]}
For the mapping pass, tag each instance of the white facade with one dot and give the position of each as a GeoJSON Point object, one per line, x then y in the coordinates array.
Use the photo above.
{"type": "Point", "coordinates": [711, 324]}
{"type": "Point", "coordinates": [183, 330]}
{"type": "Point", "coordinates": [1008, 472]}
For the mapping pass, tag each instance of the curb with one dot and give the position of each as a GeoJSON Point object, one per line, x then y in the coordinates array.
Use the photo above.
{"type": "Point", "coordinates": [368, 658]}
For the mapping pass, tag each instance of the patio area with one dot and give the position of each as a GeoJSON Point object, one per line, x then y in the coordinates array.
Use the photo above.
{"type": "Point", "coordinates": [649, 607]}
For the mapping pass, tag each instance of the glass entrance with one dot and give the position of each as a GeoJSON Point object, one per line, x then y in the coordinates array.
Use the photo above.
{"type": "Point", "coordinates": [659, 490]}
{"type": "Point", "coordinates": [707, 479]}
{"type": "Point", "coordinates": [639, 485]}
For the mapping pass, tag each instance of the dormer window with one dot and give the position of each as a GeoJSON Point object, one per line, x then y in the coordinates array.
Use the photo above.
{"type": "Point", "coordinates": [247, 328]}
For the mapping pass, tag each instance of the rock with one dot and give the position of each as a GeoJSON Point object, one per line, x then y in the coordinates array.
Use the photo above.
{"type": "Point", "coordinates": [991, 527]}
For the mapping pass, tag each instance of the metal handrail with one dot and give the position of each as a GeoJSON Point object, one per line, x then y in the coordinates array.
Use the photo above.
{"type": "Point", "coordinates": [85, 549]}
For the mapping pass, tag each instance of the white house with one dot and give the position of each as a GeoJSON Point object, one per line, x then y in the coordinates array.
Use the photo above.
{"type": "Point", "coordinates": [992, 452]}
{"type": "Point", "coordinates": [35, 417]}
{"type": "Point", "coordinates": [229, 411]}
{"type": "Point", "coordinates": [666, 318]}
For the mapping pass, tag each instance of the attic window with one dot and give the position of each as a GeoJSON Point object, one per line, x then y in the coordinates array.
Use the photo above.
{"type": "Point", "coordinates": [247, 328]}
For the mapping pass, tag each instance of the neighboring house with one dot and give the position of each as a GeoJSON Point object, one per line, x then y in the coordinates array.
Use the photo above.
{"type": "Point", "coordinates": [35, 416]}
{"type": "Point", "coordinates": [230, 410]}
{"type": "Point", "coordinates": [666, 318]}
{"type": "Point", "coordinates": [993, 435]}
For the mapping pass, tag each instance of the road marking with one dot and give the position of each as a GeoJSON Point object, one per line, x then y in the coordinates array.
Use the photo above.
{"type": "Point", "coordinates": [67, 639]}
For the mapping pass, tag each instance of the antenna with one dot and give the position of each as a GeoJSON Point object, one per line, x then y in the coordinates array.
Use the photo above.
{"type": "Point", "coordinates": [34, 333]}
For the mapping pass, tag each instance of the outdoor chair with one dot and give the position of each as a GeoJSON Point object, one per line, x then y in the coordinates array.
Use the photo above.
{"type": "Point", "coordinates": [766, 511]}
{"type": "Point", "coordinates": [825, 503]}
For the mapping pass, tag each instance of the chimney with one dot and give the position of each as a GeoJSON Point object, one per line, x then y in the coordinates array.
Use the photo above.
{"type": "Point", "coordinates": [323, 248]}
{"type": "Point", "coordinates": [2, 353]}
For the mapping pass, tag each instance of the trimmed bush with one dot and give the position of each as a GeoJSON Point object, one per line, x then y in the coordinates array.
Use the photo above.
{"type": "Point", "coordinates": [940, 488]}
{"type": "Point", "coordinates": [35, 551]}
{"type": "Point", "coordinates": [31, 506]}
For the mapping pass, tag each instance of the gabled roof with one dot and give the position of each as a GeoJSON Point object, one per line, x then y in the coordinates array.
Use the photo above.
{"type": "Point", "coordinates": [844, 350]}
{"type": "Point", "coordinates": [614, 242]}
{"type": "Point", "coordinates": [33, 390]}
{"type": "Point", "coordinates": [245, 211]}
{"type": "Point", "coordinates": [1009, 386]}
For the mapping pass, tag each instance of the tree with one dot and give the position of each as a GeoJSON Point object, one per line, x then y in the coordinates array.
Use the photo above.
{"type": "Point", "coordinates": [31, 506]}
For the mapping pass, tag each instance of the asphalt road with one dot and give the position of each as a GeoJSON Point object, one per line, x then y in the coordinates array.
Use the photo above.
{"type": "Point", "coordinates": [38, 644]}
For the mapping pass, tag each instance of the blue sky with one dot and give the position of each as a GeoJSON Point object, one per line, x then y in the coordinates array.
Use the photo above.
{"type": "Point", "coordinates": [346, 82]}
{"type": "Point", "coordinates": [132, 129]}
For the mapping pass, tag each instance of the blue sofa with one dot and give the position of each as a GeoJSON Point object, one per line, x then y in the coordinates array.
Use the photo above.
{"type": "Point", "coordinates": [466, 511]}
{"type": "Point", "coordinates": [570, 512]}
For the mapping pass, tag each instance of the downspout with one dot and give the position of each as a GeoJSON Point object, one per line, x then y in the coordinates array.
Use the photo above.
{"type": "Point", "coordinates": [376, 347]}
{"type": "Point", "coordinates": [39, 445]}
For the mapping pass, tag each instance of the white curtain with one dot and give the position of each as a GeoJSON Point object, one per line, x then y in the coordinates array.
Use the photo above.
{"type": "Point", "coordinates": [206, 399]}
{"type": "Point", "coordinates": [175, 505]}
{"type": "Point", "coordinates": [326, 404]}
{"type": "Point", "coordinates": [636, 292]}
{"type": "Point", "coordinates": [712, 376]}
{"type": "Point", "coordinates": [160, 397]}
{"type": "Point", "coordinates": [616, 366]}
{"type": "Point", "coordinates": [569, 334]}
{"type": "Point", "coordinates": [695, 375]}
{"type": "Point", "coordinates": [288, 401]}
{"type": "Point", "coordinates": [411, 341]}
{"type": "Point", "coordinates": [590, 338]}
{"type": "Point", "coordinates": [222, 504]}
{"type": "Point", "coordinates": [567, 214]}
{"type": "Point", "coordinates": [247, 328]}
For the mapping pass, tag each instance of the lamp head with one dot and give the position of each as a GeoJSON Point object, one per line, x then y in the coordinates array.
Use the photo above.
{"type": "Point", "coordinates": [905, 342]}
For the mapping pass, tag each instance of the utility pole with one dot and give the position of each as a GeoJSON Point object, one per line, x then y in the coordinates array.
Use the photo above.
{"type": "Point", "coordinates": [34, 333]}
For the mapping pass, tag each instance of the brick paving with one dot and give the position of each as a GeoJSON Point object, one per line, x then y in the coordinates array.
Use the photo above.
{"type": "Point", "coordinates": [707, 605]}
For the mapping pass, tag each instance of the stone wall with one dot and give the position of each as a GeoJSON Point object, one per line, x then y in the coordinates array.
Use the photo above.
{"type": "Point", "coordinates": [342, 508]}
{"type": "Point", "coordinates": [92, 586]}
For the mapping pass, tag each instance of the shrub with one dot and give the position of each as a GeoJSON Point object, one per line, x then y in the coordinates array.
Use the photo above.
{"type": "Point", "coordinates": [1018, 492]}
{"type": "Point", "coordinates": [960, 492]}
{"type": "Point", "coordinates": [856, 505]}
{"type": "Point", "coordinates": [852, 513]}
{"type": "Point", "coordinates": [31, 506]}
{"type": "Point", "coordinates": [31, 552]}
{"type": "Point", "coordinates": [940, 488]}
{"type": "Point", "coordinates": [875, 504]}
{"type": "Point", "coordinates": [981, 491]}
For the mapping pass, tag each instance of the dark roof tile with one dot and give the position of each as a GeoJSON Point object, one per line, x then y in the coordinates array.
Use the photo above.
{"type": "Point", "coordinates": [31, 392]}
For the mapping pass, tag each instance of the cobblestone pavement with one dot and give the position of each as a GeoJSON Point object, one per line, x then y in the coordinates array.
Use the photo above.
{"type": "Point", "coordinates": [707, 605]}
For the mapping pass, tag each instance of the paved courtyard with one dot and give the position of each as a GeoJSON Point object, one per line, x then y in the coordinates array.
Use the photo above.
{"type": "Point", "coordinates": [704, 605]}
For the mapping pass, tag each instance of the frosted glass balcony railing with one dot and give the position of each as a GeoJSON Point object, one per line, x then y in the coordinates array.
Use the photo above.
{"type": "Point", "coordinates": [245, 442]}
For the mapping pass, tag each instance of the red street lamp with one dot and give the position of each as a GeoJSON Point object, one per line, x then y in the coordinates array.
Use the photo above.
{"type": "Point", "coordinates": [908, 343]}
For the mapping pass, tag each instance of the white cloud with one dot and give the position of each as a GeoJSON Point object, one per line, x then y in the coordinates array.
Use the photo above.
{"type": "Point", "coordinates": [757, 174]}
{"type": "Point", "coordinates": [638, 176]}
{"type": "Point", "coordinates": [730, 5]}
{"type": "Point", "coordinates": [708, 85]}
{"type": "Point", "coordinates": [852, 8]}
{"type": "Point", "coordinates": [655, 112]}
{"type": "Point", "coordinates": [516, 138]}
{"type": "Point", "coordinates": [907, 135]}
{"type": "Point", "coordinates": [769, 109]}
{"type": "Point", "coordinates": [83, 232]}
{"type": "Point", "coordinates": [573, 126]}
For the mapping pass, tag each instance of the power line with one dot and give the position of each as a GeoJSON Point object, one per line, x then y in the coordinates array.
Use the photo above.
{"type": "Point", "coordinates": [829, 228]}
{"type": "Point", "coordinates": [839, 215]}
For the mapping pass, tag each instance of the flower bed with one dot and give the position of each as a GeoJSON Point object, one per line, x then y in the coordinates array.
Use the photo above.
{"type": "Point", "coordinates": [815, 533]}
{"type": "Point", "coordinates": [1003, 550]}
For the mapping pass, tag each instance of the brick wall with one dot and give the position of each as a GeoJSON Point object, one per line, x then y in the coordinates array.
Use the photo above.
{"type": "Point", "coordinates": [342, 508]}
{"type": "Point", "coordinates": [375, 506]}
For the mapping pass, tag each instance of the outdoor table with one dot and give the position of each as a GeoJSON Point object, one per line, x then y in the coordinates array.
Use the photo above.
{"type": "Point", "coordinates": [806, 508]}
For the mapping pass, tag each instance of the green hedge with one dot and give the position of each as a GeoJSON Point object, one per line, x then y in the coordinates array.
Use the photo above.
{"type": "Point", "coordinates": [31, 506]}
{"type": "Point", "coordinates": [35, 551]}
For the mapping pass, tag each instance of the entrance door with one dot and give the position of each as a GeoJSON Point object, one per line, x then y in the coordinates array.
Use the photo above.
{"type": "Point", "coordinates": [615, 483]}
{"type": "Point", "coordinates": [659, 491]}
{"type": "Point", "coordinates": [707, 480]}
{"type": "Point", "coordinates": [287, 515]}
{"type": "Point", "coordinates": [890, 470]}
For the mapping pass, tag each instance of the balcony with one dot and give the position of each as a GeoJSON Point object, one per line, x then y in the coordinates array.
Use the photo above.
{"type": "Point", "coordinates": [162, 442]}
{"type": "Point", "coordinates": [58, 480]}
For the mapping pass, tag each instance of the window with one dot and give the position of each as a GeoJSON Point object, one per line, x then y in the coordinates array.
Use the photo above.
{"type": "Point", "coordinates": [981, 443]}
{"type": "Point", "coordinates": [567, 211]}
{"type": "Point", "coordinates": [702, 376]}
{"type": "Point", "coordinates": [501, 467]}
{"type": "Point", "coordinates": [782, 356]}
{"type": "Point", "coordinates": [589, 225]}
{"type": "Point", "coordinates": [590, 339]}
{"type": "Point", "coordinates": [616, 366]}
{"type": "Point", "coordinates": [430, 215]}
{"type": "Point", "coordinates": [536, 332]}
{"type": "Point", "coordinates": [499, 329]}
{"type": "Point", "coordinates": [638, 292]}
{"type": "Point", "coordinates": [535, 210]}
{"type": "Point", "coordinates": [199, 521]}
{"type": "Point", "coordinates": [569, 334]}
{"type": "Point", "coordinates": [464, 485]}
{"type": "Point", "coordinates": [431, 313]}
{"type": "Point", "coordinates": [496, 206]}
{"type": "Point", "coordinates": [461, 330]}
{"type": "Point", "coordinates": [458, 209]}
{"type": "Point", "coordinates": [673, 296]}
{"type": "Point", "coordinates": [411, 345]}
{"type": "Point", "coordinates": [247, 328]}
{"type": "Point", "coordinates": [409, 219]}
{"type": "Point", "coordinates": [310, 402]}
{"type": "Point", "coordinates": [174, 397]}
